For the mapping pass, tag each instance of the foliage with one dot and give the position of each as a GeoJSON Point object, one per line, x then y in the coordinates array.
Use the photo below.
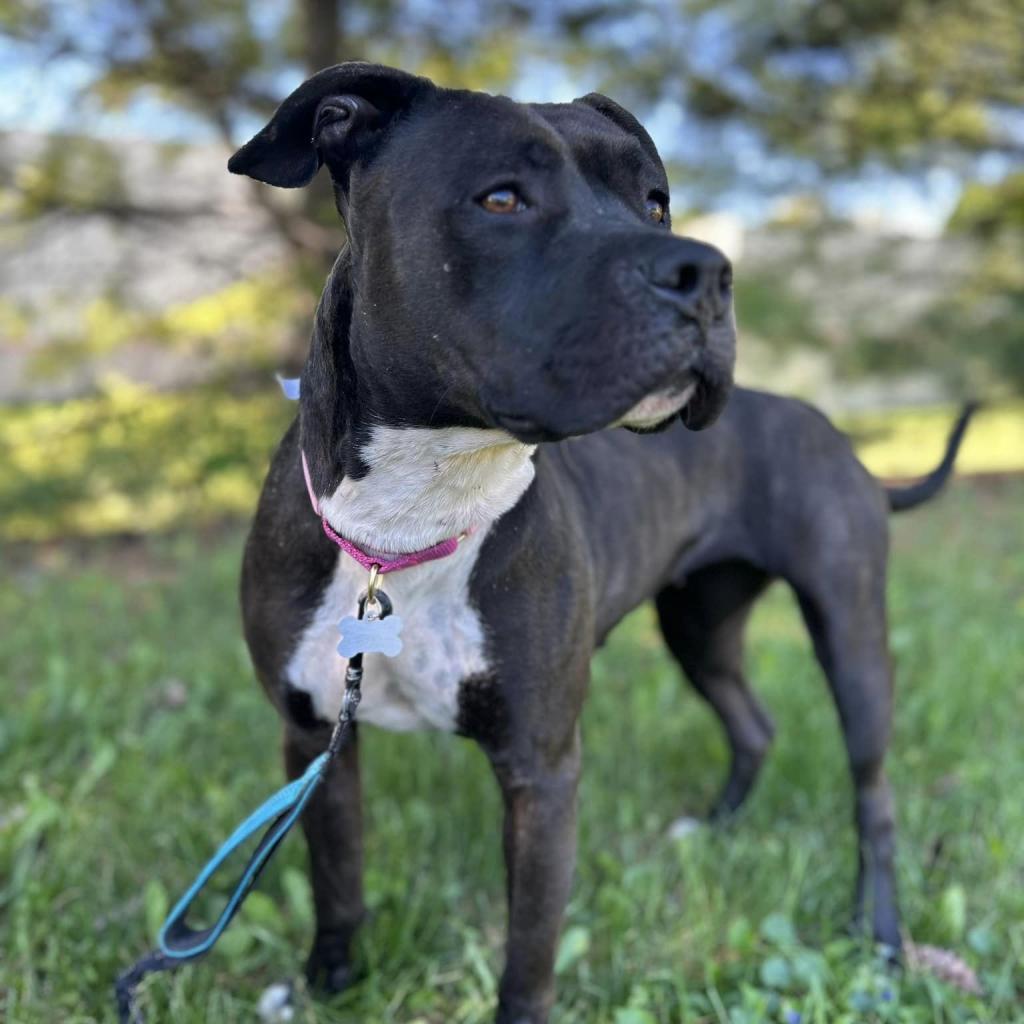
{"type": "Point", "coordinates": [988, 210]}
{"type": "Point", "coordinates": [989, 306]}
{"type": "Point", "coordinates": [70, 174]}
{"type": "Point", "coordinates": [132, 460]}
{"type": "Point", "coordinates": [140, 739]}
{"type": "Point", "coordinates": [233, 332]}
{"type": "Point", "coordinates": [974, 333]}
{"type": "Point", "coordinates": [778, 95]}
{"type": "Point", "coordinates": [979, 329]}
{"type": "Point", "coordinates": [768, 307]}
{"type": "Point", "coordinates": [226, 64]}
{"type": "Point", "coordinates": [899, 82]}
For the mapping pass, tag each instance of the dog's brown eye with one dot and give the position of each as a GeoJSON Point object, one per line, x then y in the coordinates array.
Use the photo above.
{"type": "Point", "coordinates": [656, 210]}
{"type": "Point", "coordinates": [503, 200]}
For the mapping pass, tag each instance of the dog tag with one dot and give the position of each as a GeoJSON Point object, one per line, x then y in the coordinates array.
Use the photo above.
{"type": "Point", "coordinates": [370, 636]}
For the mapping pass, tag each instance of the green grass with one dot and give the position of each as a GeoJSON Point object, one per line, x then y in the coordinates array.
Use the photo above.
{"type": "Point", "coordinates": [909, 442]}
{"type": "Point", "coordinates": [134, 738]}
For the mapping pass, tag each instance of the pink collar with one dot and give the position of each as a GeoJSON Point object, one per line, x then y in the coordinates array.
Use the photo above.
{"type": "Point", "coordinates": [442, 549]}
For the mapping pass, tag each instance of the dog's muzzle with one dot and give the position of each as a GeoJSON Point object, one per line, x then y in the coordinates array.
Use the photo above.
{"type": "Point", "coordinates": [658, 341]}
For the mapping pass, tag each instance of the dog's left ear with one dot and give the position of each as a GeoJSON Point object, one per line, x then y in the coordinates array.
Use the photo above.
{"type": "Point", "coordinates": [625, 120]}
{"type": "Point", "coordinates": [331, 118]}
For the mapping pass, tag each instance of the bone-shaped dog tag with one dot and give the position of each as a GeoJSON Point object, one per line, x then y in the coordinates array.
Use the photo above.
{"type": "Point", "coordinates": [370, 636]}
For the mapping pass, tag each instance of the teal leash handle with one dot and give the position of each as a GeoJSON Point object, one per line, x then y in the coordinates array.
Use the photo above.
{"type": "Point", "coordinates": [178, 942]}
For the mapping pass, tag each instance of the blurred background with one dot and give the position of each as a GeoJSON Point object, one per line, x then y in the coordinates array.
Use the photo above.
{"type": "Point", "coordinates": [862, 162]}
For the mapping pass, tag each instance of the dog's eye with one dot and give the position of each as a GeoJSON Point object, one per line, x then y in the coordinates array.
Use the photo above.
{"type": "Point", "coordinates": [656, 208]}
{"type": "Point", "coordinates": [503, 200]}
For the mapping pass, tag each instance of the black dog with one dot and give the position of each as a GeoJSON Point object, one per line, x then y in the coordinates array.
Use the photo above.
{"type": "Point", "coordinates": [510, 285]}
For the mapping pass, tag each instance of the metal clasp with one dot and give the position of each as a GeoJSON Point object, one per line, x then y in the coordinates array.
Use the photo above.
{"type": "Point", "coordinates": [373, 584]}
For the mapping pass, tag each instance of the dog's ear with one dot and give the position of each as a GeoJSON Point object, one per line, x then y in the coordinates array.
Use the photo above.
{"type": "Point", "coordinates": [331, 118]}
{"type": "Point", "coordinates": [625, 120]}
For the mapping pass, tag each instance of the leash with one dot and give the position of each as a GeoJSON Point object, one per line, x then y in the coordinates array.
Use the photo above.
{"type": "Point", "coordinates": [374, 629]}
{"type": "Point", "coordinates": [178, 942]}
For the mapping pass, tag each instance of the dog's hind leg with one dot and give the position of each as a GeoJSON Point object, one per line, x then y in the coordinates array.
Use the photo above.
{"type": "Point", "coordinates": [844, 608]}
{"type": "Point", "coordinates": [333, 824]}
{"type": "Point", "coordinates": [703, 622]}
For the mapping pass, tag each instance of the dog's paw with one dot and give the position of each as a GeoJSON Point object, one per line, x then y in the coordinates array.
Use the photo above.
{"type": "Point", "coordinates": [330, 981]}
{"type": "Point", "coordinates": [329, 969]}
{"type": "Point", "coordinates": [684, 827]}
{"type": "Point", "coordinates": [277, 1003]}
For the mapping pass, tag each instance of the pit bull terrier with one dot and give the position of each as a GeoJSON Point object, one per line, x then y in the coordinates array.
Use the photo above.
{"type": "Point", "coordinates": [510, 288]}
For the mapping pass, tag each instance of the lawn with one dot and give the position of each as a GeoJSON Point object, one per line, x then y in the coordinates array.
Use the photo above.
{"type": "Point", "coordinates": [134, 738]}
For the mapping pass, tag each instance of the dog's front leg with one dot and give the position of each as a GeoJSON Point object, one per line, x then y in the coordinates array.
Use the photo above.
{"type": "Point", "coordinates": [333, 823]}
{"type": "Point", "coordinates": [539, 792]}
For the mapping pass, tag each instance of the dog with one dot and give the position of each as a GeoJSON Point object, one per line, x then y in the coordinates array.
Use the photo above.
{"type": "Point", "coordinates": [511, 288]}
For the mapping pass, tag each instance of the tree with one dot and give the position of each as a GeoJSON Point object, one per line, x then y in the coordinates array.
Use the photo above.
{"type": "Point", "coordinates": [777, 95]}
{"type": "Point", "coordinates": [907, 83]}
{"type": "Point", "coordinates": [793, 93]}
{"type": "Point", "coordinates": [228, 63]}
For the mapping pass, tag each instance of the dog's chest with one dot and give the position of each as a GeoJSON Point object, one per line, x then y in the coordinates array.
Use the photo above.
{"type": "Point", "coordinates": [442, 645]}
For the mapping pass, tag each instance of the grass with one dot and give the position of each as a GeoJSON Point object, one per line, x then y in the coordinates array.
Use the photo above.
{"type": "Point", "coordinates": [909, 442]}
{"type": "Point", "coordinates": [134, 739]}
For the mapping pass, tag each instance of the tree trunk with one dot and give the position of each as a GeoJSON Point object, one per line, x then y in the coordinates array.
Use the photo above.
{"type": "Point", "coordinates": [315, 232]}
{"type": "Point", "coordinates": [323, 33]}
{"type": "Point", "coordinates": [323, 37]}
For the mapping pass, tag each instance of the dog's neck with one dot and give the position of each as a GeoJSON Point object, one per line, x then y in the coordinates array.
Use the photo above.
{"type": "Point", "coordinates": [393, 489]}
{"type": "Point", "coordinates": [425, 485]}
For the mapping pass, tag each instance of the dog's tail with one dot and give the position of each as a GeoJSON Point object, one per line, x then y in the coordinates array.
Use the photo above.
{"type": "Point", "coordinates": [902, 498]}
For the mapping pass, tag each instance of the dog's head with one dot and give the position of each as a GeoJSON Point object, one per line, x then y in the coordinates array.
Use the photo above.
{"type": "Point", "coordinates": [509, 265]}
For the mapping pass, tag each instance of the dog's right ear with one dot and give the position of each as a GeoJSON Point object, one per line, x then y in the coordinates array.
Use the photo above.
{"type": "Point", "coordinates": [331, 118]}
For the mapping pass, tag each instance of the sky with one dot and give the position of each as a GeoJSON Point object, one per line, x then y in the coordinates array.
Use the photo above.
{"type": "Point", "coordinates": [47, 100]}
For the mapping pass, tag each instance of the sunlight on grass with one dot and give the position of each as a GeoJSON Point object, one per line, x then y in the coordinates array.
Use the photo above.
{"type": "Point", "coordinates": [909, 442]}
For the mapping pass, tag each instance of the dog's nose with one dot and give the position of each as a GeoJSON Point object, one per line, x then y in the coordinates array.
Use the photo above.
{"type": "Point", "coordinates": [696, 277]}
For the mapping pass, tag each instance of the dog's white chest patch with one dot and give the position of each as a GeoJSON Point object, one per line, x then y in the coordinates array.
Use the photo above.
{"type": "Point", "coordinates": [442, 644]}
{"type": "Point", "coordinates": [423, 484]}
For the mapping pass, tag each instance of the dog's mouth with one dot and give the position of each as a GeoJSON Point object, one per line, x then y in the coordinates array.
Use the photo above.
{"type": "Point", "coordinates": [657, 409]}
{"type": "Point", "coordinates": [696, 400]}
{"type": "Point", "coordinates": [695, 394]}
